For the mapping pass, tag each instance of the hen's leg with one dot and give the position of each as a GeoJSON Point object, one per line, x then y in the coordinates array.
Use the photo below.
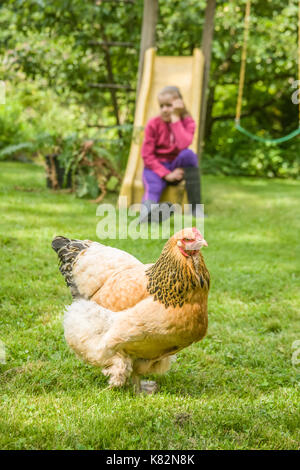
{"type": "Point", "coordinates": [143, 386]}
{"type": "Point", "coordinates": [136, 382]}
{"type": "Point", "coordinates": [119, 370]}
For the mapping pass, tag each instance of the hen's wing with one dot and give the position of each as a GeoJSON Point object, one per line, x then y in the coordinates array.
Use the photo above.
{"type": "Point", "coordinates": [123, 289]}
{"type": "Point", "coordinates": [87, 265]}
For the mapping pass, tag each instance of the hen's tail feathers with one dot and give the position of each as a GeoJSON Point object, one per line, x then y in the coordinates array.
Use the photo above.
{"type": "Point", "coordinates": [67, 251]}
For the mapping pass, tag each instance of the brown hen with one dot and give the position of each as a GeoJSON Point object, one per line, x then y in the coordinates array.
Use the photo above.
{"type": "Point", "coordinates": [130, 318]}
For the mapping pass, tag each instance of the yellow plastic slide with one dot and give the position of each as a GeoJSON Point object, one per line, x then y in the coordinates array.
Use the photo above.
{"type": "Point", "coordinates": [184, 72]}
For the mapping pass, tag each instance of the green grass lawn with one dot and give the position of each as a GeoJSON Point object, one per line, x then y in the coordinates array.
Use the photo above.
{"type": "Point", "coordinates": [237, 389]}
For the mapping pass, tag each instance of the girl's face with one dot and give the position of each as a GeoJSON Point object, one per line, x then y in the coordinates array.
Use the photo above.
{"type": "Point", "coordinates": [166, 107]}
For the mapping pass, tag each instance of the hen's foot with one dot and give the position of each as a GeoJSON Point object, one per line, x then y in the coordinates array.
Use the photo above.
{"type": "Point", "coordinates": [148, 387]}
{"type": "Point", "coordinates": [143, 386]}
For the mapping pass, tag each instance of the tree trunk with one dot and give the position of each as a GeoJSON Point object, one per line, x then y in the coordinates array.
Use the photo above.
{"type": "Point", "coordinates": [150, 15]}
{"type": "Point", "coordinates": [209, 110]}
{"type": "Point", "coordinates": [206, 47]}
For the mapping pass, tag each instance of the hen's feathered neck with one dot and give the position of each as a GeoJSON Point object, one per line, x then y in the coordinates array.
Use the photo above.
{"type": "Point", "coordinates": [173, 278]}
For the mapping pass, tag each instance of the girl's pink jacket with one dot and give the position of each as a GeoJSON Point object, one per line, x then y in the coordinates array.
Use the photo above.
{"type": "Point", "coordinates": [164, 140]}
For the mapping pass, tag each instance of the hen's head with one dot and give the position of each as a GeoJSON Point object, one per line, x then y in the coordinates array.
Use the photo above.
{"type": "Point", "coordinates": [188, 241]}
{"type": "Point", "coordinates": [180, 270]}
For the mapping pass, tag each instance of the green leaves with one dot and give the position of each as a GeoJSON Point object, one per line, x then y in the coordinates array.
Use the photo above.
{"type": "Point", "coordinates": [12, 149]}
{"type": "Point", "coordinates": [87, 185]}
{"type": "Point", "coordinates": [46, 53]}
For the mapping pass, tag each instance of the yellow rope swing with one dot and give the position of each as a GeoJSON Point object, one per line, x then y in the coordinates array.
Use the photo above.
{"type": "Point", "coordinates": [242, 82]}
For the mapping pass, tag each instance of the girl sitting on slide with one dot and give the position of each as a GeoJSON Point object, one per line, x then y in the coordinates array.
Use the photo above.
{"type": "Point", "coordinates": [167, 158]}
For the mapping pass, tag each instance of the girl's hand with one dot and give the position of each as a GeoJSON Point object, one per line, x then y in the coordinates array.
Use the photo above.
{"type": "Point", "coordinates": [178, 107]}
{"type": "Point", "coordinates": [175, 175]}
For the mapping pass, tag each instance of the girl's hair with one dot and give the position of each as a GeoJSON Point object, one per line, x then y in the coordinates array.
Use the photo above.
{"type": "Point", "coordinates": [174, 91]}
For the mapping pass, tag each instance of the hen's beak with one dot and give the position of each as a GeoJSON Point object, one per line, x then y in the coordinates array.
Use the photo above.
{"type": "Point", "coordinates": [196, 245]}
{"type": "Point", "coordinates": [204, 242]}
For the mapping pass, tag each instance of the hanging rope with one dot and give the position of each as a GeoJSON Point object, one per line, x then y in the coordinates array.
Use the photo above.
{"type": "Point", "coordinates": [238, 126]}
{"type": "Point", "coordinates": [299, 55]}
